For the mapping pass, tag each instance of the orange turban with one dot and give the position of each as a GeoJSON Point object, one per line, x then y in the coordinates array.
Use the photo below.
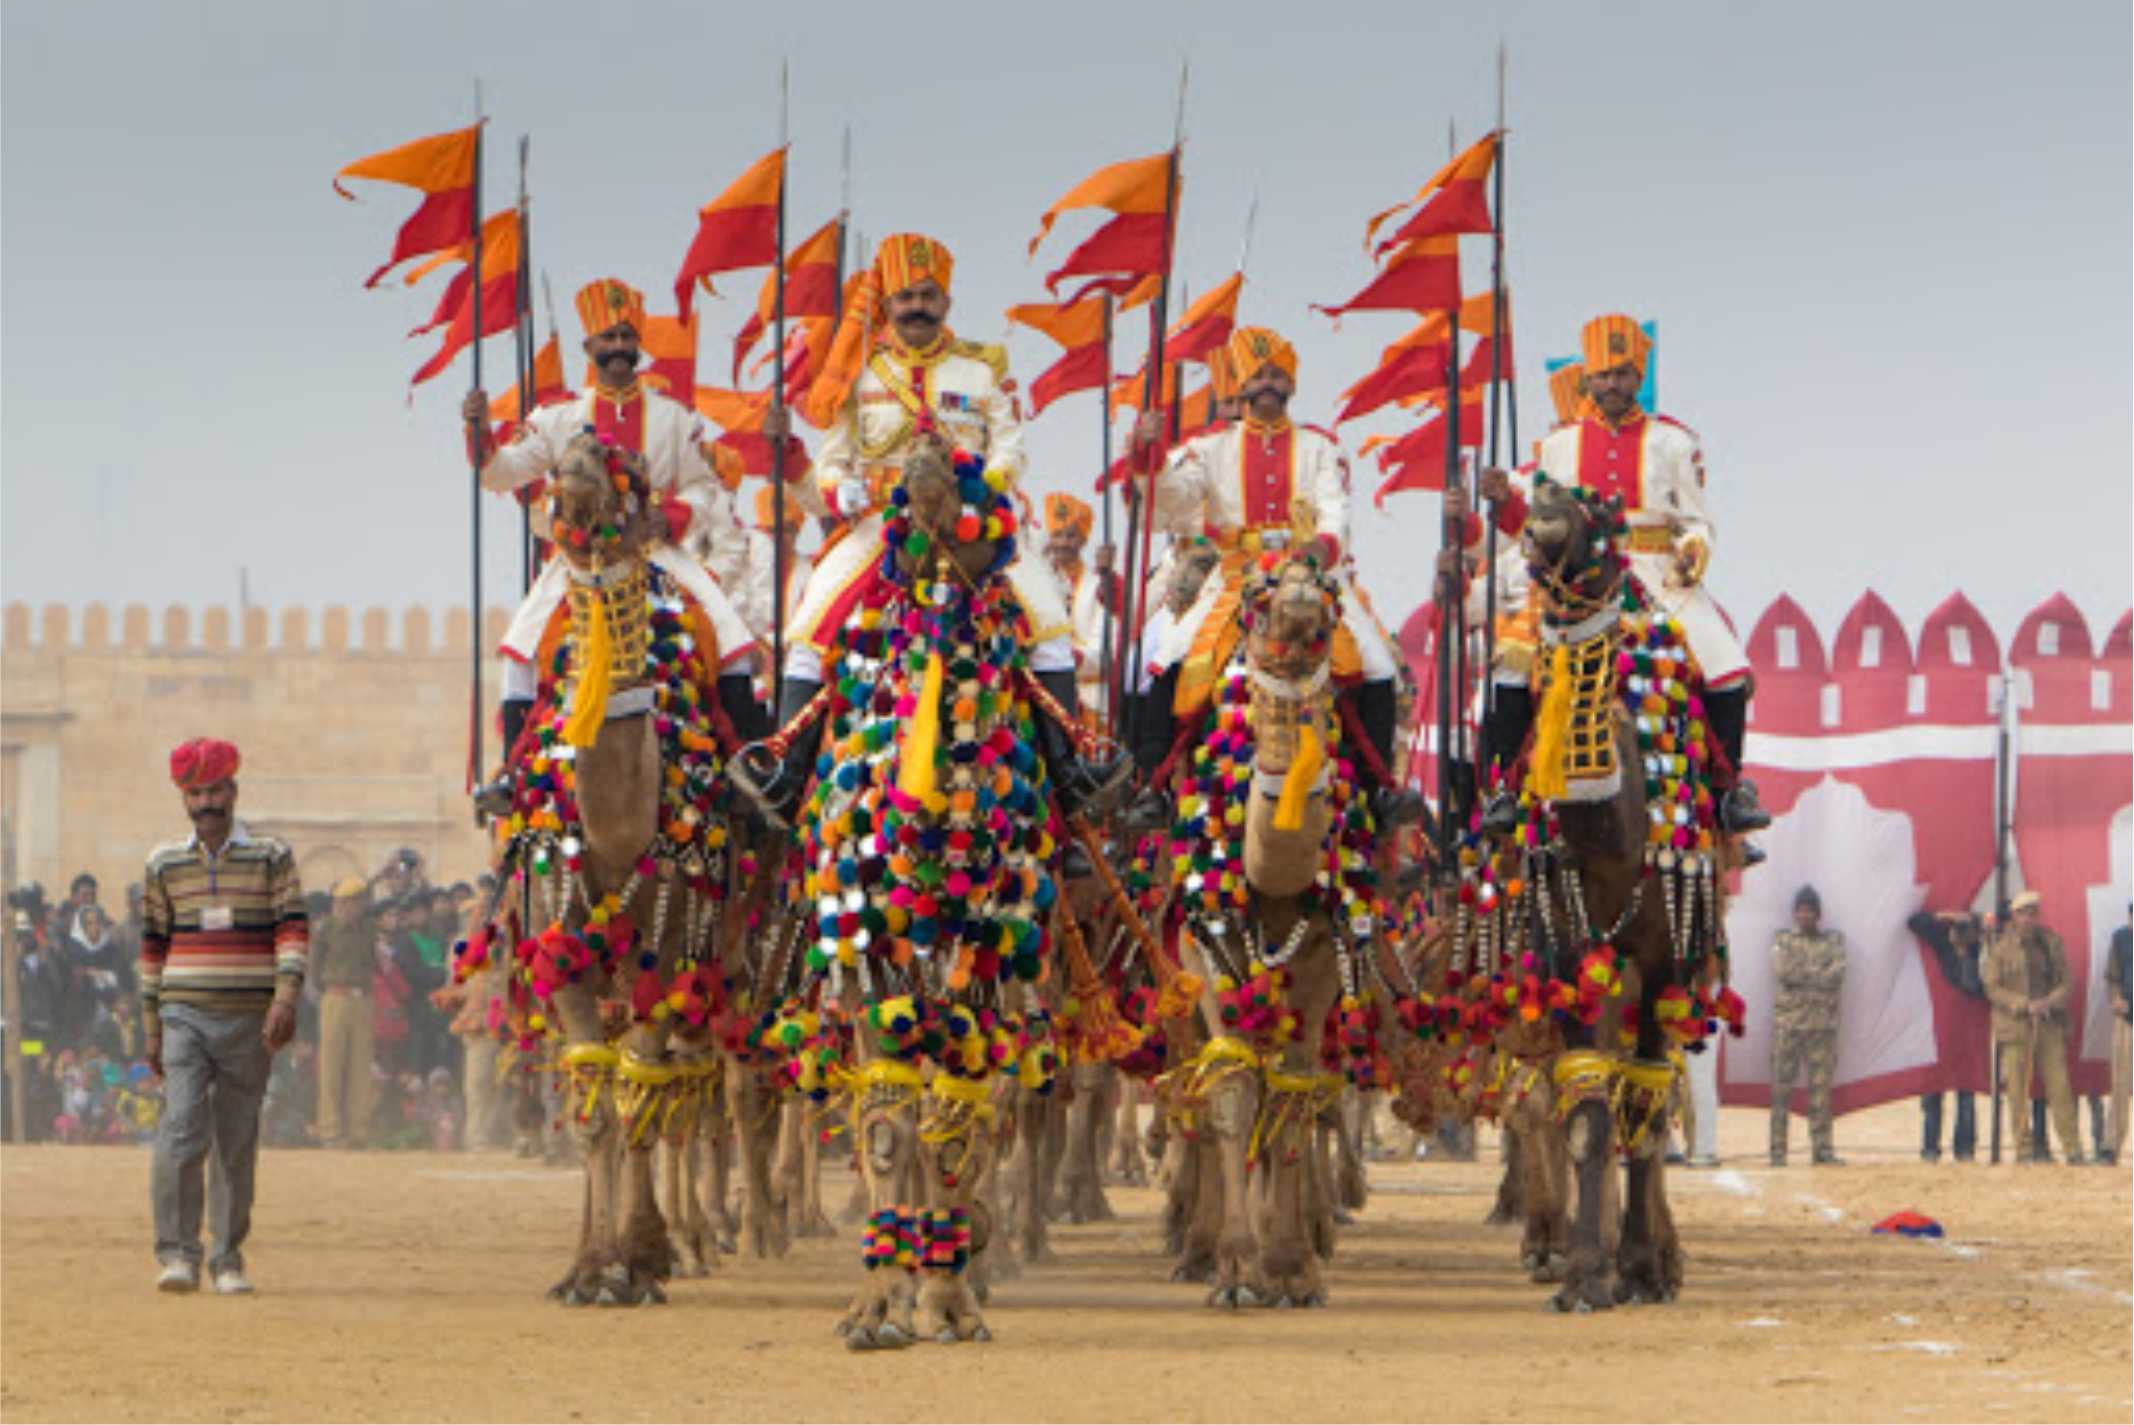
{"type": "Point", "coordinates": [610, 302]}
{"type": "Point", "coordinates": [202, 762]}
{"type": "Point", "coordinates": [907, 259]}
{"type": "Point", "coordinates": [1567, 388]}
{"type": "Point", "coordinates": [1250, 348]}
{"type": "Point", "coordinates": [1064, 514]}
{"type": "Point", "coordinates": [1612, 341]}
{"type": "Point", "coordinates": [1221, 379]}
{"type": "Point", "coordinates": [765, 511]}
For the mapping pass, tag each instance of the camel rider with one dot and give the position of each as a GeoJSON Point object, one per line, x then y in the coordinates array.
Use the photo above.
{"type": "Point", "coordinates": [1243, 484]}
{"type": "Point", "coordinates": [896, 372]}
{"type": "Point", "coordinates": [1654, 464]}
{"type": "Point", "coordinates": [621, 411]}
{"type": "Point", "coordinates": [1067, 525]}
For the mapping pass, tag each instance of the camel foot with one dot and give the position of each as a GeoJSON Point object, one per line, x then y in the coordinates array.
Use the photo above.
{"type": "Point", "coordinates": [1594, 1294]}
{"type": "Point", "coordinates": [1542, 1267]}
{"type": "Point", "coordinates": [1642, 1284]}
{"type": "Point", "coordinates": [879, 1317]}
{"type": "Point", "coordinates": [885, 1337]}
{"type": "Point", "coordinates": [628, 1286]}
{"type": "Point", "coordinates": [1344, 1218]}
{"type": "Point", "coordinates": [948, 1309]}
{"type": "Point", "coordinates": [1235, 1298]}
{"type": "Point", "coordinates": [1194, 1269]}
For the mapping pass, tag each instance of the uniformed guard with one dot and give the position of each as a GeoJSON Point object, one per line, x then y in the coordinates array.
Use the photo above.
{"type": "Point", "coordinates": [1808, 963]}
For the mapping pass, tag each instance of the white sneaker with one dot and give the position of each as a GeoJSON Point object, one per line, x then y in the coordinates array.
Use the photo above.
{"type": "Point", "coordinates": [231, 1282]}
{"type": "Point", "coordinates": [179, 1276]}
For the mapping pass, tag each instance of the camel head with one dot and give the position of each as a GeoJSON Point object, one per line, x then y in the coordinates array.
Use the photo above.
{"type": "Point", "coordinates": [1570, 542]}
{"type": "Point", "coordinates": [947, 501]}
{"type": "Point", "coordinates": [1290, 610]}
{"type": "Point", "coordinates": [600, 511]}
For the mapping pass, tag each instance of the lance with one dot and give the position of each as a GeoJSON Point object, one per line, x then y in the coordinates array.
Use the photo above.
{"type": "Point", "coordinates": [1450, 669]}
{"type": "Point", "coordinates": [778, 436]}
{"type": "Point", "coordinates": [522, 334]}
{"type": "Point", "coordinates": [2018, 1104]}
{"type": "Point", "coordinates": [1152, 378]}
{"type": "Point", "coordinates": [1496, 402]}
{"type": "Point", "coordinates": [1108, 593]}
{"type": "Point", "coordinates": [475, 432]}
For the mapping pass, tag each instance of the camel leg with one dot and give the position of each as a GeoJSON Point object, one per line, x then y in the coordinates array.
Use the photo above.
{"type": "Point", "coordinates": [1231, 1106]}
{"type": "Point", "coordinates": [1509, 1204]}
{"type": "Point", "coordinates": [589, 1111]}
{"type": "Point", "coordinates": [814, 1222]}
{"type": "Point", "coordinates": [755, 1111]}
{"type": "Point", "coordinates": [1054, 1153]}
{"type": "Point", "coordinates": [887, 1140]}
{"type": "Point", "coordinates": [786, 1164]}
{"type": "Point", "coordinates": [681, 1161]}
{"type": "Point", "coordinates": [1283, 1186]}
{"type": "Point", "coordinates": [713, 1160]}
{"type": "Point", "coordinates": [1354, 1120]}
{"type": "Point", "coordinates": [954, 1153]}
{"type": "Point", "coordinates": [1128, 1165]}
{"type": "Point", "coordinates": [1588, 1283]}
{"type": "Point", "coordinates": [1080, 1173]}
{"type": "Point", "coordinates": [1648, 1258]}
{"type": "Point", "coordinates": [1027, 1171]}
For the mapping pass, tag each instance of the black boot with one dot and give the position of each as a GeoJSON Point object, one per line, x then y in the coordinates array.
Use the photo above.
{"type": "Point", "coordinates": [1390, 806]}
{"type": "Point", "coordinates": [1728, 712]}
{"type": "Point", "coordinates": [1503, 734]}
{"type": "Point", "coordinates": [1151, 723]}
{"type": "Point", "coordinates": [775, 784]}
{"type": "Point", "coordinates": [737, 699]}
{"type": "Point", "coordinates": [1083, 787]}
{"type": "Point", "coordinates": [493, 797]}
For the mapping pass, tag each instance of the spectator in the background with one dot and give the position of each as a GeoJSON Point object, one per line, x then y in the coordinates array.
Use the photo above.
{"type": "Point", "coordinates": [1957, 941]}
{"type": "Point", "coordinates": [2119, 984]}
{"type": "Point", "coordinates": [347, 960]}
{"type": "Point", "coordinates": [97, 981]}
{"type": "Point", "coordinates": [42, 989]}
{"type": "Point", "coordinates": [391, 990]}
{"type": "Point", "coordinates": [2027, 980]}
{"type": "Point", "coordinates": [81, 893]}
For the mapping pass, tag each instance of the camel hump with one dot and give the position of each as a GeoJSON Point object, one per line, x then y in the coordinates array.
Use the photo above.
{"type": "Point", "coordinates": [993, 354]}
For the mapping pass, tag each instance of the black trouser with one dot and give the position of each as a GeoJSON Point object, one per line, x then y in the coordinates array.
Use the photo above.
{"type": "Point", "coordinates": [1504, 726]}
{"type": "Point", "coordinates": [1964, 1140]}
{"type": "Point", "coordinates": [1727, 712]}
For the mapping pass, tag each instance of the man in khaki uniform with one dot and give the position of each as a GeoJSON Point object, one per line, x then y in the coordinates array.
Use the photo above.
{"type": "Point", "coordinates": [2027, 981]}
{"type": "Point", "coordinates": [1809, 964]}
{"type": "Point", "coordinates": [347, 957]}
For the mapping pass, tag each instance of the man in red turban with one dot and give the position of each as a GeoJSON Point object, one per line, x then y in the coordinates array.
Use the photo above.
{"type": "Point", "coordinates": [224, 943]}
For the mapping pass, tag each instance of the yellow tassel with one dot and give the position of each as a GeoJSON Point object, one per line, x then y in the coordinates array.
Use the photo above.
{"type": "Point", "coordinates": [589, 700]}
{"type": "Point", "coordinates": [915, 772]}
{"type": "Point", "coordinates": [1552, 730]}
{"type": "Point", "coordinates": [1297, 782]}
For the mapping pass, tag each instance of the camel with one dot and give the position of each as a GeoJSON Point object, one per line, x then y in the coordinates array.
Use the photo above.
{"type": "Point", "coordinates": [615, 925]}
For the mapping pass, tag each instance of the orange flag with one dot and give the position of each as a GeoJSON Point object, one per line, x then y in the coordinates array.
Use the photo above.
{"type": "Point", "coordinates": [1071, 324]}
{"type": "Point", "coordinates": [499, 295]}
{"type": "Point", "coordinates": [670, 343]}
{"type": "Point", "coordinates": [455, 293]}
{"type": "Point", "coordinates": [1207, 324]}
{"type": "Point", "coordinates": [1078, 327]}
{"type": "Point", "coordinates": [548, 387]}
{"type": "Point", "coordinates": [441, 166]}
{"type": "Point", "coordinates": [737, 229]}
{"type": "Point", "coordinates": [1455, 199]}
{"type": "Point", "coordinates": [1423, 276]}
{"type": "Point", "coordinates": [810, 288]}
{"type": "Point", "coordinates": [1137, 185]}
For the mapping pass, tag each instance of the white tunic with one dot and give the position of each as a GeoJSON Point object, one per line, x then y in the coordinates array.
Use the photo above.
{"type": "Point", "coordinates": [675, 469]}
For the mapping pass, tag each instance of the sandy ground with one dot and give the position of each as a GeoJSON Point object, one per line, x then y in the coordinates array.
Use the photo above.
{"type": "Point", "coordinates": [408, 1286]}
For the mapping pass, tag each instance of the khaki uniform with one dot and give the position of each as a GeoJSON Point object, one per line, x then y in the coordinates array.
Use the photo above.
{"type": "Point", "coordinates": [2021, 967]}
{"type": "Point", "coordinates": [347, 956]}
{"type": "Point", "coordinates": [1810, 970]}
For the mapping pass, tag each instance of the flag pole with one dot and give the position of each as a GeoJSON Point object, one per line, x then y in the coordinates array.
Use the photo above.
{"type": "Point", "coordinates": [1496, 402]}
{"type": "Point", "coordinates": [1152, 379]}
{"type": "Point", "coordinates": [1107, 593]}
{"type": "Point", "coordinates": [778, 409]}
{"type": "Point", "coordinates": [524, 340]}
{"type": "Point", "coordinates": [475, 432]}
{"type": "Point", "coordinates": [2019, 1103]}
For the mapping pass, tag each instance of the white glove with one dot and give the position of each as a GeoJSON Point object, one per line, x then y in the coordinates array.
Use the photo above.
{"type": "Point", "coordinates": [852, 497]}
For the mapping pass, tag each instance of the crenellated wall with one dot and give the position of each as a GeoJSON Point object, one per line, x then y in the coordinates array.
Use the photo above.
{"type": "Point", "coordinates": [353, 725]}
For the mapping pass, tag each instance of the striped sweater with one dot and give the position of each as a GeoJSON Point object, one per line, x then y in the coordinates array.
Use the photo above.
{"type": "Point", "coordinates": [222, 931]}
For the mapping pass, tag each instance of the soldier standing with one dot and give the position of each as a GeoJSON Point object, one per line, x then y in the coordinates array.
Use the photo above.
{"type": "Point", "coordinates": [1809, 963]}
{"type": "Point", "coordinates": [2027, 980]}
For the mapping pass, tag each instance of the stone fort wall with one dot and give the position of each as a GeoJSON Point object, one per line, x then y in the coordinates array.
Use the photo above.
{"type": "Point", "coordinates": [353, 725]}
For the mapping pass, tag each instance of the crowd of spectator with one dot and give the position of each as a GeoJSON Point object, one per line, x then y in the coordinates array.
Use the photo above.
{"type": "Point", "coordinates": [78, 1017]}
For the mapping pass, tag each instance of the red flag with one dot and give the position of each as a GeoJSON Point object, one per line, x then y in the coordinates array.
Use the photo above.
{"type": "Point", "coordinates": [1463, 174]}
{"type": "Point", "coordinates": [1403, 373]}
{"type": "Point", "coordinates": [810, 288]}
{"type": "Point", "coordinates": [455, 293]}
{"type": "Point", "coordinates": [1084, 368]}
{"type": "Point", "coordinates": [1079, 328]}
{"type": "Point", "coordinates": [1131, 243]}
{"type": "Point", "coordinates": [737, 229]}
{"type": "Point", "coordinates": [1137, 185]}
{"type": "Point", "coordinates": [1207, 324]}
{"type": "Point", "coordinates": [499, 296]}
{"type": "Point", "coordinates": [1424, 276]}
{"type": "Point", "coordinates": [1416, 461]}
{"type": "Point", "coordinates": [441, 166]}
{"type": "Point", "coordinates": [1481, 363]}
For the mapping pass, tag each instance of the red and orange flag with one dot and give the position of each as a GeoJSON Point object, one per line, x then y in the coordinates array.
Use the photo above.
{"type": "Point", "coordinates": [499, 295]}
{"type": "Point", "coordinates": [548, 387]}
{"type": "Point", "coordinates": [1136, 185]}
{"type": "Point", "coordinates": [670, 346]}
{"type": "Point", "coordinates": [1078, 327]}
{"type": "Point", "coordinates": [1416, 461]}
{"type": "Point", "coordinates": [455, 293]}
{"type": "Point", "coordinates": [735, 230]}
{"type": "Point", "coordinates": [1422, 276]}
{"type": "Point", "coordinates": [810, 288]}
{"type": "Point", "coordinates": [1404, 372]}
{"type": "Point", "coordinates": [441, 167]}
{"type": "Point", "coordinates": [1207, 324]}
{"type": "Point", "coordinates": [1454, 200]}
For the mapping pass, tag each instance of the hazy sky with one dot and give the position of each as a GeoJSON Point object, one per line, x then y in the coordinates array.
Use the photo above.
{"type": "Point", "coordinates": [1887, 246]}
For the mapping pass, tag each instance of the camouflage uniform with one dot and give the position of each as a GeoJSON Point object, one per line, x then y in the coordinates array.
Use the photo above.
{"type": "Point", "coordinates": [1810, 970]}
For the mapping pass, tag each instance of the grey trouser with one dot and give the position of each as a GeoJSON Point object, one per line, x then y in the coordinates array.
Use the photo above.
{"type": "Point", "coordinates": [214, 1080]}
